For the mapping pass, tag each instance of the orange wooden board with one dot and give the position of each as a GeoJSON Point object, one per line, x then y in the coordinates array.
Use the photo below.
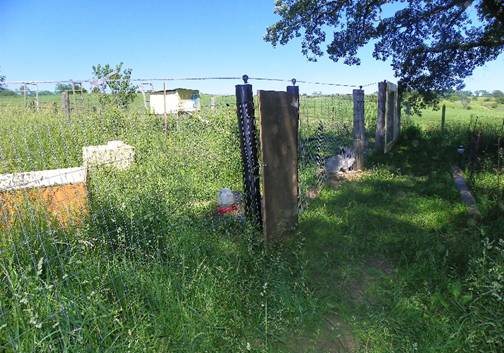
{"type": "Point", "coordinates": [67, 204]}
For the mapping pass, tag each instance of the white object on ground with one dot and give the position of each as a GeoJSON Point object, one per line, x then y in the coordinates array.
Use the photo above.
{"type": "Point", "coordinates": [225, 197]}
{"type": "Point", "coordinates": [115, 154]}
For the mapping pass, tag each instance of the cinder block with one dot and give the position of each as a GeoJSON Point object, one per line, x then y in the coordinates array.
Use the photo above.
{"type": "Point", "coordinates": [115, 154]}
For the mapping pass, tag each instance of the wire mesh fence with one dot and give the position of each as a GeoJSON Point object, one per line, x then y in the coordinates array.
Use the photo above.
{"type": "Point", "coordinates": [73, 252]}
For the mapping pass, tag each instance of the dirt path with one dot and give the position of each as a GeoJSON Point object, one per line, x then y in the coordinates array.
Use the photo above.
{"type": "Point", "coordinates": [331, 332]}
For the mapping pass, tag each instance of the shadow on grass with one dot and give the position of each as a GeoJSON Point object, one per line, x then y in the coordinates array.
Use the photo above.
{"type": "Point", "coordinates": [376, 242]}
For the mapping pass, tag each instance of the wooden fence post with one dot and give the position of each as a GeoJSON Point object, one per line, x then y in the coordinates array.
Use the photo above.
{"type": "Point", "coordinates": [380, 119]}
{"type": "Point", "coordinates": [359, 128]}
{"type": "Point", "coordinates": [25, 92]}
{"type": "Point", "coordinates": [65, 101]}
{"type": "Point", "coordinates": [443, 117]}
{"type": "Point", "coordinates": [212, 103]}
{"type": "Point", "coordinates": [37, 102]}
{"type": "Point", "coordinates": [165, 117]}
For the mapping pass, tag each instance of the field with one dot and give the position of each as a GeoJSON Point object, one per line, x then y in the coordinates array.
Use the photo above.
{"type": "Point", "coordinates": [486, 109]}
{"type": "Point", "coordinates": [387, 263]}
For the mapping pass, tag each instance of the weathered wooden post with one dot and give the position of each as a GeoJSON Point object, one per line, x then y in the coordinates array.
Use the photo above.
{"type": "Point", "coordinates": [248, 144]}
{"type": "Point", "coordinates": [443, 117]}
{"type": "Point", "coordinates": [25, 92]}
{"type": "Point", "coordinates": [37, 102]}
{"type": "Point", "coordinates": [359, 128]}
{"type": "Point", "coordinates": [76, 107]}
{"type": "Point", "coordinates": [65, 102]}
{"type": "Point", "coordinates": [294, 92]}
{"type": "Point", "coordinates": [380, 119]}
{"type": "Point", "coordinates": [165, 117]}
{"type": "Point", "coordinates": [212, 103]}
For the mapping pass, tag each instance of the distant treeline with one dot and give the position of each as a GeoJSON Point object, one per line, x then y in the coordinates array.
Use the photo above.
{"type": "Point", "coordinates": [60, 87]}
{"type": "Point", "coordinates": [466, 96]}
{"type": "Point", "coordinates": [477, 93]}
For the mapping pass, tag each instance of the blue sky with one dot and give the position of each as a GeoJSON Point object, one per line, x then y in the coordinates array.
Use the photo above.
{"type": "Point", "coordinates": [60, 40]}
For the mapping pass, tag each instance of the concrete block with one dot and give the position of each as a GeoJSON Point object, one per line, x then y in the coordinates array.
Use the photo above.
{"type": "Point", "coordinates": [115, 154]}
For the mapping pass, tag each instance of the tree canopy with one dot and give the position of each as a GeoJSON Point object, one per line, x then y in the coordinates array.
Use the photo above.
{"type": "Point", "coordinates": [67, 87]}
{"type": "Point", "coordinates": [2, 82]}
{"type": "Point", "coordinates": [433, 44]}
{"type": "Point", "coordinates": [122, 90]}
{"type": "Point", "coordinates": [63, 87]}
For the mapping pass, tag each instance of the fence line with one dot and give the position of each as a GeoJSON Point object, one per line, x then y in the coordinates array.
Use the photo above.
{"type": "Point", "coordinates": [158, 218]}
{"type": "Point", "coordinates": [96, 82]}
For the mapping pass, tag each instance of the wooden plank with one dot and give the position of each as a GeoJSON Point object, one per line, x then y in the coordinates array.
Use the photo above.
{"type": "Point", "coordinates": [42, 178]}
{"type": "Point", "coordinates": [380, 119]}
{"type": "Point", "coordinates": [68, 204]}
{"type": "Point", "coordinates": [279, 145]}
{"type": "Point", "coordinates": [465, 194]}
{"type": "Point", "coordinates": [397, 113]}
{"type": "Point", "coordinates": [391, 117]}
{"type": "Point", "coordinates": [359, 128]}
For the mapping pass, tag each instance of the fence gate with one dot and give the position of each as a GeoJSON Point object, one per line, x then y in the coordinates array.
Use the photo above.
{"type": "Point", "coordinates": [279, 145]}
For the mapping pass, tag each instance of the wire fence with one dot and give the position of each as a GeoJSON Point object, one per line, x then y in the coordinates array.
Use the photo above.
{"type": "Point", "coordinates": [65, 248]}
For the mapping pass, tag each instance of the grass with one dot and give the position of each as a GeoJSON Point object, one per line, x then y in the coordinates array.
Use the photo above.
{"type": "Point", "coordinates": [394, 262]}
{"type": "Point", "coordinates": [150, 267]}
{"type": "Point", "coordinates": [387, 263]}
{"type": "Point", "coordinates": [487, 110]}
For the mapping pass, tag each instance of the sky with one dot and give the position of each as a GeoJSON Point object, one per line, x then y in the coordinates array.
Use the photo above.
{"type": "Point", "coordinates": [62, 40]}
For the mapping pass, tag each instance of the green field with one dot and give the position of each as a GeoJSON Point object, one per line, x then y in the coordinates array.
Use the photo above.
{"type": "Point", "coordinates": [387, 263]}
{"type": "Point", "coordinates": [486, 110]}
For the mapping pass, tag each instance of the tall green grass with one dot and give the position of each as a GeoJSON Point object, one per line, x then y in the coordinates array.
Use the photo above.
{"type": "Point", "coordinates": [151, 267]}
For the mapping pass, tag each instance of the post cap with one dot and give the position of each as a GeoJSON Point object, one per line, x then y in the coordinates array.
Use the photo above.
{"type": "Point", "coordinates": [293, 81]}
{"type": "Point", "coordinates": [245, 78]}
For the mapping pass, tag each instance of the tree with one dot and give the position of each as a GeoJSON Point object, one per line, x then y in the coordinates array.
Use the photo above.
{"type": "Point", "coordinates": [63, 87]}
{"type": "Point", "coordinates": [24, 90]}
{"type": "Point", "coordinates": [483, 93]}
{"type": "Point", "coordinates": [67, 87]}
{"type": "Point", "coordinates": [4, 92]}
{"type": "Point", "coordinates": [497, 94]}
{"type": "Point", "coordinates": [2, 83]}
{"type": "Point", "coordinates": [122, 91]}
{"type": "Point", "coordinates": [433, 44]}
{"type": "Point", "coordinates": [45, 93]}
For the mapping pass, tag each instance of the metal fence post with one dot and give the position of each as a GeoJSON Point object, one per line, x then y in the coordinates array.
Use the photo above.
{"type": "Point", "coordinates": [248, 144]}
